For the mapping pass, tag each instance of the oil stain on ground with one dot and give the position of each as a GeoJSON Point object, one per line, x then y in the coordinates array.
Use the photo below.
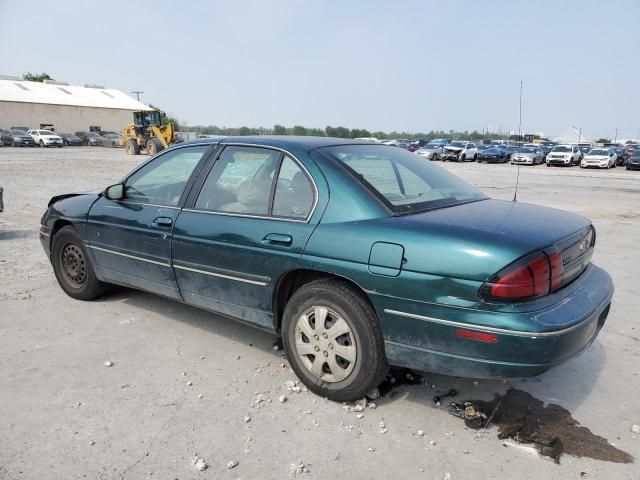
{"type": "Point", "coordinates": [523, 418]}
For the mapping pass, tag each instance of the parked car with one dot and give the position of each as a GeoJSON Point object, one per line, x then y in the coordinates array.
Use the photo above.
{"type": "Point", "coordinates": [527, 156]}
{"type": "Point", "coordinates": [71, 140]}
{"type": "Point", "coordinates": [110, 140]}
{"type": "Point", "coordinates": [46, 138]}
{"type": "Point", "coordinates": [20, 138]}
{"type": "Point", "coordinates": [247, 228]}
{"type": "Point", "coordinates": [5, 138]}
{"type": "Point", "coordinates": [633, 163]}
{"type": "Point", "coordinates": [584, 148]}
{"type": "Point", "coordinates": [439, 141]}
{"type": "Point", "coordinates": [91, 139]}
{"type": "Point", "coordinates": [621, 156]}
{"type": "Point", "coordinates": [430, 151]}
{"type": "Point", "coordinates": [460, 152]}
{"type": "Point", "coordinates": [564, 155]}
{"type": "Point", "coordinates": [493, 154]}
{"type": "Point", "coordinates": [545, 149]}
{"type": "Point", "coordinates": [599, 158]}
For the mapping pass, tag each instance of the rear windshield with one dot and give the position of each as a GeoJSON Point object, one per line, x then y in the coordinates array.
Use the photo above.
{"type": "Point", "coordinates": [403, 181]}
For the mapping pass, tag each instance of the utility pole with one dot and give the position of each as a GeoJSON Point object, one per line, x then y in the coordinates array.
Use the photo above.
{"type": "Point", "coordinates": [615, 140]}
{"type": "Point", "coordinates": [520, 120]}
{"type": "Point", "coordinates": [137, 92]}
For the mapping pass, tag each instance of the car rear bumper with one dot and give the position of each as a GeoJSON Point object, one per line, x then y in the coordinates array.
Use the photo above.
{"type": "Point", "coordinates": [416, 339]}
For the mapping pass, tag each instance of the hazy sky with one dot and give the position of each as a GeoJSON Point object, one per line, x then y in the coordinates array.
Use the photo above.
{"type": "Point", "coordinates": [389, 65]}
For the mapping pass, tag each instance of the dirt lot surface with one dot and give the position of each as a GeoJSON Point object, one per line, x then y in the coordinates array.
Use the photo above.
{"type": "Point", "coordinates": [184, 381]}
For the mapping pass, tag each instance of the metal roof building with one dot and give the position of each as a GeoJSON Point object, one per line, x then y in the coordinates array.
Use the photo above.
{"type": "Point", "coordinates": [68, 108]}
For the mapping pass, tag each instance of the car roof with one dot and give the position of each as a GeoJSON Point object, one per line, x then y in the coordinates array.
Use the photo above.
{"type": "Point", "coordinates": [282, 141]}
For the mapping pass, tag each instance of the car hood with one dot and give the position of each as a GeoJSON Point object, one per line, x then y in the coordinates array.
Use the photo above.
{"type": "Point", "coordinates": [524, 155]}
{"type": "Point", "coordinates": [57, 198]}
{"type": "Point", "coordinates": [51, 137]}
{"type": "Point", "coordinates": [454, 149]}
{"type": "Point", "coordinates": [564, 154]}
{"type": "Point", "coordinates": [596, 157]}
{"type": "Point", "coordinates": [476, 240]}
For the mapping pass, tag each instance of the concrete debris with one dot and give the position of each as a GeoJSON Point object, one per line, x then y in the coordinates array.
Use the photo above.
{"type": "Point", "coordinates": [92, 442]}
{"type": "Point", "coordinates": [199, 395]}
{"type": "Point", "coordinates": [382, 425]}
{"type": "Point", "coordinates": [201, 357]}
{"type": "Point", "coordinates": [189, 383]}
{"type": "Point", "coordinates": [371, 449]}
{"type": "Point", "coordinates": [292, 386]}
{"type": "Point", "coordinates": [198, 463]}
{"type": "Point", "coordinates": [282, 398]}
{"type": "Point", "coordinates": [360, 405]}
{"type": "Point", "coordinates": [259, 398]}
{"type": "Point", "coordinates": [373, 394]}
{"type": "Point", "coordinates": [447, 476]}
{"type": "Point", "coordinates": [247, 419]}
{"type": "Point", "coordinates": [421, 433]}
{"type": "Point", "coordinates": [298, 469]}
{"type": "Point", "coordinates": [383, 430]}
{"type": "Point", "coordinates": [108, 364]}
{"type": "Point", "coordinates": [232, 464]}
{"type": "Point", "coordinates": [276, 348]}
{"type": "Point", "coordinates": [237, 357]}
{"type": "Point", "coordinates": [432, 443]}
{"type": "Point", "coordinates": [635, 428]}
{"type": "Point", "coordinates": [360, 415]}
{"type": "Point", "coordinates": [372, 406]}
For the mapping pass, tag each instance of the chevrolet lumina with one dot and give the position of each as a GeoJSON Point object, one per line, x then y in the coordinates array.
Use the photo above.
{"type": "Point", "coordinates": [359, 256]}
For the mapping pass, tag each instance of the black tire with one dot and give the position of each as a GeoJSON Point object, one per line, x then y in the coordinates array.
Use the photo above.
{"type": "Point", "coordinates": [41, 144]}
{"type": "Point", "coordinates": [154, 146]}
{"type": "Point", "coordinates": [132, 147]}
{"type": "Point", "coordinates": [462, 158]}
{"type": "Point", "coordinates": [475, 157]}
{"type": "Point", "coordinates": [370, 365]}
{"type": "Point", "coordinates": [73, 268]}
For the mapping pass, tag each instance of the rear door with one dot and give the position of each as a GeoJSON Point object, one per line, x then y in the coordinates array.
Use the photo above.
{"type": "Point", "coordinates": [246, 227]}
{"type": "Point", "coordinates": [130, 239]}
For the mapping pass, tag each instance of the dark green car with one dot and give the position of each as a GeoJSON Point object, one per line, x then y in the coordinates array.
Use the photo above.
{"type": "Point", "coordinates": [358, 255]}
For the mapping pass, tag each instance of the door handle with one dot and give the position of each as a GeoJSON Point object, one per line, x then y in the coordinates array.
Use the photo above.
{"type": "Point", "coordinates": [278, 239]}
{"type": "Point", "coordinates": [162, 222]}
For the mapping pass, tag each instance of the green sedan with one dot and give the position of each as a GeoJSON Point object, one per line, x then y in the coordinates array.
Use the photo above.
{"type": "Point", "coordinates": [359, 256]}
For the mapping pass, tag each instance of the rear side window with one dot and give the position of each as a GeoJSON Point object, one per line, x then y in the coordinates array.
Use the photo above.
{"type": "Point", "coordinates": [240, 181]}
{"type": "Point", "coordinates": [403, 181]}
{"type": "Point", "coordinates": [294, 193]}
{"type": "Point", "coordinates": [162, 181]}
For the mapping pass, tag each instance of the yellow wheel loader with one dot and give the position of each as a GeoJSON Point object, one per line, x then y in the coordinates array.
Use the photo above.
{"type": "Point", "coordinates": [147, 133]}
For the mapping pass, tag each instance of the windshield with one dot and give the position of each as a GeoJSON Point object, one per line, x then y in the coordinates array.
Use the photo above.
{"type": "Point", "coordinates": [526, 150]}
{"type": "Point", "coordinates": [598, 151]}
{"type": "Point", "coordinates": [457, 144]}
{"type": "Point", "coordinates": [18, 132]}
{"type": "Point", "coordinates": [402, 180]}
{"type": "Point", "coordinates": [46, 132]}
{"type": "Point", "coordinates": [93, 135]}
{"type": "Point", "coordinates": [561, 148]}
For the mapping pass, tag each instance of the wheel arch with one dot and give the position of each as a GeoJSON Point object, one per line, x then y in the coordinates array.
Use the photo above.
{"type": "Point", "coordinates": [291, 281]}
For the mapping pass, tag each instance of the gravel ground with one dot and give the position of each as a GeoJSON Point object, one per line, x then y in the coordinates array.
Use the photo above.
{"type": "Point", "coordinates": [183, 381]}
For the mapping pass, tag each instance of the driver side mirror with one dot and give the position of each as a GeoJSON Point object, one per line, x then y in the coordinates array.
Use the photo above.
{"type": "Point", "coordinates": [115, 192]}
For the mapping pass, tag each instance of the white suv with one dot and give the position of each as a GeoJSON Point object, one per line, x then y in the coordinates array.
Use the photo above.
{"type": "Point", "coordinates": [564, 155]}
{"type": "Point", "coordinates": [460, 152]}
{"type": "Point", "coordinates": [45, 138]}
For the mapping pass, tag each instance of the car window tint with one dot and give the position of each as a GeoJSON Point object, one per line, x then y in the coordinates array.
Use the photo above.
{"type": "Point", "coordinates": [162, 181]}
{"type": "Point", "coordinates": [240, 181]}
{"type": "Point", "coordinates": [294, 193]}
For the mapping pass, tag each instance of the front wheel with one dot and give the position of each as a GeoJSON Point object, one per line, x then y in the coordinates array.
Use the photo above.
{"type": "Point", "coordinates": [41, 144]}
{"type": "Point", "coordinates": [333, 340]}
{"type": "Point", "coordinates": [73, 268]}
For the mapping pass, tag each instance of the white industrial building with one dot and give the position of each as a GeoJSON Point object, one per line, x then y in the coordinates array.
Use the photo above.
{"type": "Point", "coordinates": [64, 107]}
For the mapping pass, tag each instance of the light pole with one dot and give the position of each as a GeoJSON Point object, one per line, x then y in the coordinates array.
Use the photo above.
{"type": "Point", "coordinates": [615, 140]}
{"type": "Point", "coordinates": [137, 92]}
{"type": "Point", "coordinates": [579, 130]}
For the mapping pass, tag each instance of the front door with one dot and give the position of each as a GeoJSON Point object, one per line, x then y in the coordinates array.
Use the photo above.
{"type": "Point", "coordinates": [130, 239]}
{"type": "Point", "coordinates": [247, 227]}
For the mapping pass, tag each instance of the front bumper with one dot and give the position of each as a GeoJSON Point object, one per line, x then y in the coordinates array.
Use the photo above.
{"type": "Point", "coordinates": [522, 161]}
{"type": "Point", "coordinates": [451, 156]}
{"type": "Point", "coordinates": [424, 337]}
{"type": "Point", "coordinates": [594, 163]}
{"type": "Point", "coordinates": [558, 161]}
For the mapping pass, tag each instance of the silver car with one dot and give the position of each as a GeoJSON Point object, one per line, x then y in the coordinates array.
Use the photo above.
{"type": "Point", "coordinates": [527, 156]}
{"type": "Point", "coordinates": [430, 151]}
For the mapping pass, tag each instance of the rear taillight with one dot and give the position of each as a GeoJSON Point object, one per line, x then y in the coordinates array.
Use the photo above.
{"type": "Point", "coordinates": [532, 276]}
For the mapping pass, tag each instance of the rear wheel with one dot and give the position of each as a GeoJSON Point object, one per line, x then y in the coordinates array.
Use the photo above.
{"type": "Point", "coordinates": [73, 268]}
{"type": "Point", "coordinates": [41, 144]}
{"type": "Point", "coordinates": [132, 147]}
{"type": "Point", "coordinates": [463, 158]}
{"type": "Point", "coordinates": [333, 340]}
{"type": "Point", "coordinates": [153, 146]}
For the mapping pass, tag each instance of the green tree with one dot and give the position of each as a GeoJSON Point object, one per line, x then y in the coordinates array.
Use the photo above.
{"type": "Point", "coordinates": [279, 130]}
{"type": "Point", "coordinates": [299, 130]}
{"type": "Point", "coordinates": [342, 132]}
{"type": "Point", "coordinates": [36, 77]}
{"type": "Point", "coordinates": [603, 140]}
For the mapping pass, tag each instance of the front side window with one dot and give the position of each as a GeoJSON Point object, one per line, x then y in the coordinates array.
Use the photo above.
{"type": "Point", "coordinates": [161, 181]}
{"type": "Point", "coordinates": [294, 194]}
{"type": "Point", "coordinates": [240, 181]}
{"type": "Point", "coordinates": [401, 180]}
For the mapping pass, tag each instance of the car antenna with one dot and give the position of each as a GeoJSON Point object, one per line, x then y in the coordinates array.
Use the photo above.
{"type": "Point", "coordinates": [515, 193]}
